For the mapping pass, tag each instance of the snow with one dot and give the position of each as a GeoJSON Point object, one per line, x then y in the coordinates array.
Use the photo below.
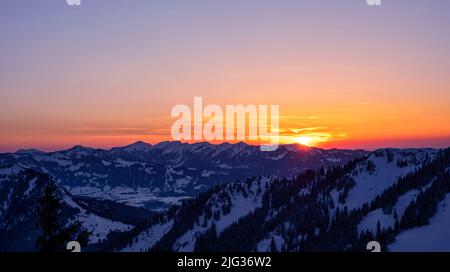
{"type": "Point", "coordinates": [7, 201]}
{"type": "Point", "coordinates": [225, 166]}
{"type": "Point", "coordinates": [186, 242]}
{"type": "Point", "coordinates": [148, 238]}
{"type": "Point", "coordinates": [56, 158]}
{"type": "Point", "coordinates": [387, 220]}
{"type": "Point", "coordinates": [69, 201]}
{"type": "Point", "coordinates": [31, 186]}
{"type": "Point", "coordinates": [76, 167]}
{"type": "Point", "coordinates": [172, 147]}
{"type": "Point", "coordinates": [264, 245]}
{"type": "Point", "coordinates": [90, 175]}
{"type": "Point", "coordinates": [405, 199]}
{"type": "Point", "coordinates": [207, 173]}
{"type": "Point", "coordinates": [369, 185]}
{"type": "Point", "coordinates": [333, 160]}
{"type": "Point", "coordinates": [370, 222]}
{"type": "Point", "coordinates": [134, 197]}
{"type": "Point", "coordinates": [181, 183]}
{"type": "Point", "coordinates": [106, 163]}
{"type": "Point", "coordinates": [201, 186]}
{"type": "Point", "coordinates": [124, 162]}
{"type": "Point", "coordinates": [149, 170]}
{"type": "Point", "coordinates": [240, 207]}
{"type": "Point", "coordinates": [100, 226]}
{"type": "Point", "coordinates": [13, 170]}
{"type": "Point", "coordinates": [279, 157]}
{"type": "Point", "coordinates": [432, 238]}
{"type": "Point", "coordinates": [170, 170]}
{"type": "Point", "coordinates": [79, 151]}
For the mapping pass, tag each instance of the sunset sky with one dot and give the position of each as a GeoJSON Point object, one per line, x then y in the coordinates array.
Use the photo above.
{"type": "Point", "coordinates": [107, 73]}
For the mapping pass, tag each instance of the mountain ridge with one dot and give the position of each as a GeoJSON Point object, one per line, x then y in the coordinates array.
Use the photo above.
{"type": "Point", "coordinates": [368, 197]}
{"type": "Point", "coordinates": [303, 213]}
{"type": "Point", "coordinates": [157, 176]}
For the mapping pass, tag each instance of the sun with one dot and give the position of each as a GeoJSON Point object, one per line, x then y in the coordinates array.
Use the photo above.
{"type": "Point", "coordinates": [304, 140]}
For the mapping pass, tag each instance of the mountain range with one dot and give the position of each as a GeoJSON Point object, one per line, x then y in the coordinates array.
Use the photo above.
{"type": "Point", "coordinates": [232, 197]}
{"type": "Point", "coordinates": [157, 176]}
{"type": "Point", "coordinates": [399, 198]}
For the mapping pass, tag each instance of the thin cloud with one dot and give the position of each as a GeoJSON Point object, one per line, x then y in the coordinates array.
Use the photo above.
{"type": "Point", "coordinates": [299, 130]}
{"type": "Point", "coordinates": [104, 131]}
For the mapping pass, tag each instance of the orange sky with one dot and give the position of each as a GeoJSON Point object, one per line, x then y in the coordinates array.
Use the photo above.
{"type": "Point", "coordinates": [345, 75]}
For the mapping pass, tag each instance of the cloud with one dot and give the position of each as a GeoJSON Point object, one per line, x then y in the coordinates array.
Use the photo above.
{"type": "Point", "coordinates": [160, 131]}
{"type": "Point", "coordinates": [299, 130]}
{"type": "Point", "coordinates": [107, 131]}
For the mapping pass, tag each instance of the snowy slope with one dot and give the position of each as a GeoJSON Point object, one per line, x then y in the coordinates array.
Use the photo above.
{"type": "Point", "coordinates": [387, 219]}
{"type": "Point", "coordinates": [223, 208]}
{"type": "Point", "coordinates": [384, 195]}
{"type": "Point", "coordinates": [99, 226]}
{"type": "Point", "coordinates": [380, 170]}
{"type": "Point", "coordinates": [20, 187]}
{"type": "Point", "coordinates": [362, 185]}
{"type": "Point", "coordinates": [240, 204]}
{"type": "Point", "coordinates": [147, 238]}
{"type": "Point", "coordinates": [433, 238]}
{"type": "Point", "coordinates": [295, 202]}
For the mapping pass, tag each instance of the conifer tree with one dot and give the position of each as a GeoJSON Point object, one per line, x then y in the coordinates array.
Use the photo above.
{"type": "Point", "coordinates": [53, 235]}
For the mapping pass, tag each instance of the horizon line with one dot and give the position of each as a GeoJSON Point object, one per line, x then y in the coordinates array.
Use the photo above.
{"type": "Point", "coordinates": [46, 150]}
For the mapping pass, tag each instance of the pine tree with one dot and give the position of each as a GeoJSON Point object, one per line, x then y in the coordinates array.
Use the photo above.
{"type": "Point", "coordinates": [378, 229]}
{"type": "Point", "coordinates": [54, 236]}
{"type": "Point", "coordinates": [395, 214]}
{"type": "Point", "coordinates": [49, 213]}
{"type": "Point", "coordinates": [273, 246]}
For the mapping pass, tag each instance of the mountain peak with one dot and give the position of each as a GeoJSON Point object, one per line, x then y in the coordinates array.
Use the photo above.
{"type": "Point", "coordinates": [79, 148]}
{"type": "Point", "coordinates": [138, 146]}
{"type": "Point", "coordinates": [166, 144]}
{"type": "Point", "coordinates": [241, 144]}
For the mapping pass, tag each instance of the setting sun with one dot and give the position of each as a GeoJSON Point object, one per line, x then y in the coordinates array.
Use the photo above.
{"type": "Point", "coordinates": [304, 140]}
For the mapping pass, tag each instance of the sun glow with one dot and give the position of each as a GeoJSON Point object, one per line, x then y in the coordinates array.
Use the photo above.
{"type": "Point", "coordinates": [306, 141]}
{"type": "Point", "coordinates": [313, 139]}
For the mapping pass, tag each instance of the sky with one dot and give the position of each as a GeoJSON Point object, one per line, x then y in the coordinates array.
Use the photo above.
{"type": "Point", "coordinates": [108, 72]}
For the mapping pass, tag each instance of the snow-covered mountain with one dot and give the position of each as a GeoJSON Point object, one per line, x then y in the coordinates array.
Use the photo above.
{"type": "Point", "coordinates": [158, 176]}
{"type": "Point", "coordinates": [20, 189]}
{"type": "Point", "coordinates": [398, 197]}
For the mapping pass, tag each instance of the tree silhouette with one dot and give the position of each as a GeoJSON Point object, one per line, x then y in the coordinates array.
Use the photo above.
{"type": "Point", "coordinates": [53, 235]}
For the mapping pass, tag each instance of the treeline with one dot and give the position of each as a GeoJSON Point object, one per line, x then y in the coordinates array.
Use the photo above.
{"type": "Point", "coordinates": [296, 209]}
{"type": "Point", "coordinates": [187, 214]}
{"type": "Point", "coordinates": [302, 212]}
